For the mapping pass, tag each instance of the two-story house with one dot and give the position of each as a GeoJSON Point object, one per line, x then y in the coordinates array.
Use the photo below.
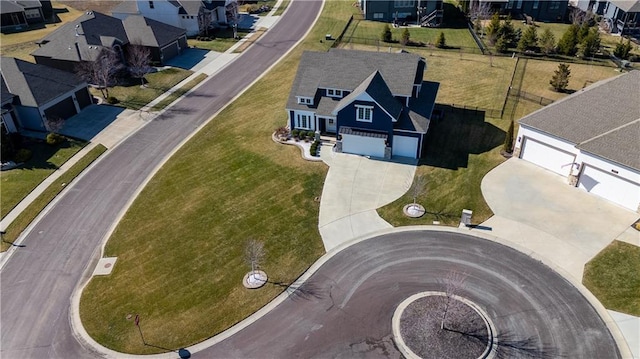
{"type": "Point", "coordinates": [622, 16]}
{"type": "Point", "coordinates": [538, 10]}
{"type": "Point", "coordinates": [182, 13]}
{"type": "Point", "coordinates": [376, 104]}
{"type": "Point", "coordinates": [424, 12]}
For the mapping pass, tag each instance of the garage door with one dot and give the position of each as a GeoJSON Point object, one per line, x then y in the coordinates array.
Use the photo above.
{"type": "Point", "coordinates": [547, 157]}
{"type": "Point", "coordinates": [609, 186]}
{"type": "Point", "coordinates": [362, 145]}
{"type": "Point", "coordinates": [405, 146]}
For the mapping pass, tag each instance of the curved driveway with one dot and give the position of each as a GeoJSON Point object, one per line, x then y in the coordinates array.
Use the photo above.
{"type": "Point", "coordinates": [344, 310]}
{"type": "Point", "coordinates": [37, 281]}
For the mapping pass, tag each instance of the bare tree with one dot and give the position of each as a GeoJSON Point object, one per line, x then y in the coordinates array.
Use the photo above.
{"type": "Point", "coordinates": [418, 187]}
{"type": "Point", "coordinates": [138, 59]}
{"type": "Point", "coordinates": [54, 123]}
{"type": "Point", "coordinates": [454, 282]}
{"type": "Point", "coordinates": [254, 253]}
{"type": "Point", "coordinates": [479, 10]}
{"type": "Point", "coordinates": [205, 17]}
{"type": "Point", "coordinates": [578, 17]}
{"type": "Point", "coordinates": [101, 72]}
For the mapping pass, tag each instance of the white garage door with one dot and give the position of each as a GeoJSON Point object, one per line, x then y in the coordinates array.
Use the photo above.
{"type": "Point", "coordinates": [609, 186]}
{"type": "Point", "coordinates": [405, 146]}
{"type": "Point", "coordinates": [362, 145]}
{"type": "Point", "coordinates": [547, 157]}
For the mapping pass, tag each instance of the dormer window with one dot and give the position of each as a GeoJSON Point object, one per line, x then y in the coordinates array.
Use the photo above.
{"type": "Point", "coordinates": [334, 93]}
{"type": "Point", "coordinates": [364, 113]}
{"type": "Point", "coordinates": [151, 5]}
{"type": "Point", "coordinates": [305, 100]}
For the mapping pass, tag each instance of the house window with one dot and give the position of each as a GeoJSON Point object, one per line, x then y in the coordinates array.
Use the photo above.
{"type": "Point", "coordinates": [304, 121]}
{"type": "Point", "coordinates": [536, 3]}
{"type": "Point", "coordinates": [510, 4]}
{"type": "Point", "coordinates": [364, 113]}
{"type": "Point", "coordinates": [331, 121]}
{"type": "Point", "coordinates": [305, 100]}
{"type": "Point", "coordinates": [519, 5]}
{"type": "Point", "coordinates": [404, 3]}
{"type": "Point", "coordinates": [334, 93]}
{"type": "Point", "coordinates": [378, 15]}
{"type": "Point", "coordinates": [555, 5]}
{"type": "Point", "coordinates": [150, 4]}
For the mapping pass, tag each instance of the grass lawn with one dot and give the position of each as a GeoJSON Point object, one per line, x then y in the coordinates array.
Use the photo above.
{"type": "Point", "coordinates": [461, 149]}
{"type": "Point", "coordinates": [179, 92]}
{"type": "Point", "coordinates": [612, 276]}
{"type": "Point", "coordinates": [132, 96]}
{"type": "Point", "coordinates": [180, 246]}
{"type": "Point", "coordinates": [31, 212]}
{"type": "Point", "coordinates": [283, 6]}
{"type": "Point", "coordinates": [539, 73]}
{"type": "Point", "coordinates": [222, 42]}
{"type": "Point", "coordinates": [18, 182]}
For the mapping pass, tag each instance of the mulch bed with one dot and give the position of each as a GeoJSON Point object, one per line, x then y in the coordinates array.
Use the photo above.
{"type": "Point", "coordinates": [465, 334]}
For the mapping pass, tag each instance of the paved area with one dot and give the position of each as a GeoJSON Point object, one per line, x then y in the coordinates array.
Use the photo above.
{"type": "Point", "coordinates": [345, 308]}
{"type": "Point", "coordinates": [538, 210]}
{"type": "Point", "coordinates": [630, 327]}
{"type": "Point", "coordinates": [355, 186]}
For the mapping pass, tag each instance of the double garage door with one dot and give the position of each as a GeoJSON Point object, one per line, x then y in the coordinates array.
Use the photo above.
{"type": "Point", "coordinates": [363, 145]}
{"type": "Point", "coordinates": [547, 157]}
{"type": "Point", "coordinates": [610, 186]}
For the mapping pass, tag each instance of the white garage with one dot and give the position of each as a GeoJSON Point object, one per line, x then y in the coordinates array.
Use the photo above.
{"type": "Point", "coordinates": [610, 186]}
{"type": "Point", "coordinates": [363, 143]}
{"type": "Point", "coordinates": [405, 146]}
{"type": "Point", "coordinates": [547, 156]}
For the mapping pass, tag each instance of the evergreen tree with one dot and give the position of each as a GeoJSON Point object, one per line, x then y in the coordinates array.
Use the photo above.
{"type": "Point", "coordinates": [405, 36]}
{"type": "Point", "coordinates": [623, 49]}
{"type": "Point", "coordinates": [502, 45]}
{"type": "Point", "coordinates": [529, 40]}
{"type": "Point", "coordinates": [508, 140]}
{"type": "Point", "coordinates": [441, 42]}
{"type": "Point", "coordinates": [590, 43]}
{"type": "Point", "coordinates": [583, 31]}
{"type": "Point", "coordinates": [569, 41]}
{"type": "Point", "coordinates": [547, 42]}
{"type": "Point", "coordinates": [560, 78]}
{"type": "Point", "coordinates": [386, 34]}
{"type": "Point", "coordinates": [508, 32]}
{"type": "Point", "coordinates": [493, 29]}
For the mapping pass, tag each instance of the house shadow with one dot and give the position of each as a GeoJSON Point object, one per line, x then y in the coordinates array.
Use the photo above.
{"type": "Point", "coordinates": [247, 21]}
{"type": "Point", "coordinates": [188, 59]}
{"type": "Point", "coordinates": [91, 121]}
{"type": "Point", "coordinates": [457, 134]}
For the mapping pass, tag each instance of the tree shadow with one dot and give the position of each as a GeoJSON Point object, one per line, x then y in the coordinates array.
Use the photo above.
{"type": "Point", "coordinates": [453, 17]}
{"type": "Point", "coordinates": [308, 290]}
{"type": "Point", "coordinates": [459, 133]}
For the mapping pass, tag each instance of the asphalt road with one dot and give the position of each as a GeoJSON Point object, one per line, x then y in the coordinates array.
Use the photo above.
{"type": "Point", "coordinates": [345, 311]}
{"type": "Point", "coordinates": [38, 280]}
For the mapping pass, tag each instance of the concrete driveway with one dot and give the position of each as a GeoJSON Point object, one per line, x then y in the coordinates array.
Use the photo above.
{"type": "Point", "coordinates": [354, 188]}
{"type": "Point", "coordinates": [540, 211]}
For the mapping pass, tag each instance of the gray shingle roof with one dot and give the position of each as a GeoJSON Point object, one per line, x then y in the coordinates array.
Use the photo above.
{"type": "Point", "coordinates": [362, 132]}
{"type": "Point", "coordinates": [126, 7]}
{"type": "Point", "coordinates": [12, 6]}
{"type": "Point", "coordinates": [148, 32]}
{"type": "Point", "coordinates": [627, 5]}
{"type": "Point", "coordinates": [35, 84]}
{"type": "Point", "coordinates": [595, 118]}
{"type": "Point", "coordinates": [418, 117]}
{"type": "Point", "coordinates": [326, 106]}
{"type": "Point", "coordinates": [347, 69]}
{"type": "Point", "coordinates": [374, 86]}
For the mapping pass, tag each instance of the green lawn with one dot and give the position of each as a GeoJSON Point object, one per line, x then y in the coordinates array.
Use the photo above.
{"type": "Point", "coordinates": [18, 182]}
{"type": "Point", "coordinates": [132, 95]}
{"type": "Point", "coordinates": [612, 276]}
{"type": "Point", "coordinates": [180, 246]}
{"type": "Point", "coordinates": [223, 40]}
{"type": "Point", "coordinates": [31, 212]}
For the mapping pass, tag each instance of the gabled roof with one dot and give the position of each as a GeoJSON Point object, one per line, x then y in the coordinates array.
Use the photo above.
{"type": "Point", "coordinates": [126, 7]}
{"type": "Point", "coordinates": [347, 69]}
{"type": "Point", "coordinates": [5, 95]}
{"type": "Point", "coordinates": [35, 84]}
{"type": "Point", "coordinates": [12, 6]}
{"type": "Point", "coordinates": [597, 119]}
{"type": "Point", "coordinates": [374, 86]}
{"type": "Point", "coordinates": [148, 32]}
{"type": "Point", "coordinates": [627, 5]}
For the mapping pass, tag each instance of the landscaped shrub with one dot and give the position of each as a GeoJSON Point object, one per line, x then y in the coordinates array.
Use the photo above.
{"type": "Point", "coordinates": [623, 49]}
{"type": "Point", "coordinates": [54, 139]}
{"type": "Point", "coordinates": [386, 35]}
{"type": "Point", "coordinates": [112, 100]}
{"type": "Point", "coordinates": [295, 133]}
{"type": "Point", "coordinates": [23, 155]}
{"type": "Point", "coordinates": [315, 147]}
{"type": "Point", "coordinates": [282, 133]}
{"type": "Point", "coordinates": [311, 134]}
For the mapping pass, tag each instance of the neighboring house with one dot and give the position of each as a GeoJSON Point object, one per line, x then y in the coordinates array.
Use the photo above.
{"type": "Point", "coordinates": [376, 103]}
{"type": "Point", "coordinates": [622, 16]}
{"type": "Point", "coordinates": [33, 94]}
{"type": "Point", "coordinates": [423, 12]}
{"type": "Point", "coordinates": [87, 36]}
{"type": "Point", "coordinates": [182, 13]}
{"type": "Point", "coordinates": [539, 10]}
{"type": "Point", "coordinates": [18, 14]}
{"type": "Point", "coordinates": [591, 138]}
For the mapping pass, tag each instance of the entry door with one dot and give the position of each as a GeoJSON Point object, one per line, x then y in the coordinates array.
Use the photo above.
{"type": "Point", "coordinates": [330, 125]}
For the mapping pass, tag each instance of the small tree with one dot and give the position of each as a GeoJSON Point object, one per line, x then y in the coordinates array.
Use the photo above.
{"type": "Point", "coordinates": [590, 44]}
{"type": "Point", "coordinates": [102, 71]}
{"type": "Point", "coordinates": [547, 42]}
{"type": "Point", "coordinates": [508, 140]}
{"type": "Point", "coordinates": [493, 28]}
{"type": "Point", "coordinates": [560, 79]}
{"type": "Point", "coordinates": [254, 253]}
{"type": "Point", "coordinates": [205, 17]}
{"type": "Point", "coordinates": [454, 283]}
{"type": "Point", "coordinates": [569, 41]}
{"type": "Point", "coordinates": [386, 35]}
{"type": "Point", "coordinates": [441, 41]}
{"type": "Point", "coordinates": [623, 49]}
{"type": "Point", "coordinates": [529, 40]}
{"type": "Point", "coordinates": [508, 32]}
{"type": "Point", "coordinates": [138, 59]}
{"type": "Point", "coordinates": [418, 186]}
{"type": "Point", "coordinates": [405, 36]}
{"type": "Point", "coordinates": [502, 45]}
{"type": "Point", "coordinates": [583, 31]}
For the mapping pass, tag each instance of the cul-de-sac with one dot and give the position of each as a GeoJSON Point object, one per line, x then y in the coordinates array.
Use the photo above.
{"type": "Point", "coordinates": [435, 179]}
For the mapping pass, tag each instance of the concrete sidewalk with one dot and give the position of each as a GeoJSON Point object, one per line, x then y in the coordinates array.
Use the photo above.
{"type": "Point", "coordinates": [129, 121]}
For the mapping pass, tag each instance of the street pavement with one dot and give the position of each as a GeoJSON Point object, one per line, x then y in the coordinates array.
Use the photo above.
{"type": "Point", "coordinates": [62, 248]}
{"type": "Point", "coordinates": [354, 188]}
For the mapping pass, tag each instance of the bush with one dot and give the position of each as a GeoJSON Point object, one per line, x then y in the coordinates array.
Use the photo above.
{"type": "Point", "coordinates": [314, 148]}
{"type": "Point", "coordinates": [311, 134]}
{"type": "Point", "coordinates": [441, 41]}
{"type": "Point", "coordinates": [54, 139]}
{"type": "Point", "coordinates": [623, 50]}
{"type": "Point", "coordinates": [23, 155]}
{"type": "Point", "coordinates": [295, 133]}
{"type": "Point", "coordinates": [386, 35]}
{"type": "Point", "coordinates": [112, 100]}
